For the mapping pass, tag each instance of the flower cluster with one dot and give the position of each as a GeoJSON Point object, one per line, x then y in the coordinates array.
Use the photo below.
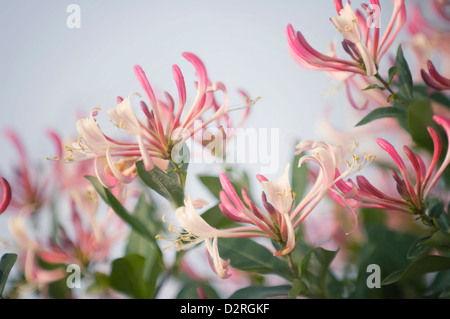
{"type": "Point", "coordinates": [158, 137]}
{"type": "Point", "coordinates": [84, 208]}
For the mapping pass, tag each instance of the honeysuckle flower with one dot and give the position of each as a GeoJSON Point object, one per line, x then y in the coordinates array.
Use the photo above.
{"type": "Point", "coordinates": [365, 52]}
{"type": "Point", "coordinates": [433, 34]}
{"type": "Point", "coordinates": [94, 145]}
{"type": "Point", "coordinates": [70, 180]}
{"type": "Point", "coordinates": [433, 79]}
{"type": "Point", "coordinates": [195, 230]}
{"type": "Point", "coordinates": [158, 136]}
{"type": "Point", "coordinates": [309, 58]}
{"type": "Point", "coordinates": [412, 197]}
{"type": "Point", "coordinates": [280, 218]}
{"type": "Point", "coordinates": [29, 184]}
{"type": "Point", "coordinates": [35, 276]}
{"type": "Point", "coordinates": [346, 24]}
{"type": "Point", "coordinates": [277, 199]}
{"type": "Point", "coordinates": [81, 245]}
{"type": "Point", "coordinates": [330, 179]}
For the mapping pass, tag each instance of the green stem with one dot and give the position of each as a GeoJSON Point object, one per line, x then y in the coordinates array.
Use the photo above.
{"type": "Point", "coordinates": [172, 271]}
{"type": "Point", "coordinates": [385, 84]}
{"type": "Point", "coordinates": [181, 174]}
{"type": "Point", "coordinates": [292, 266]}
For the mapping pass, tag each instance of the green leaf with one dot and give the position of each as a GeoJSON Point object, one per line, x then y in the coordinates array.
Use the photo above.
{"type": "Point", "coordinates": [260, 292]}
{"type": "Point", "coordinates": [190, 291]}
{"type": "Point", "coordinates": [440, 283]}
{"type": "Point", "coordinates": [314, 270]}
{"type": "Point", "coordinates": [387, 248]}
{"type": "Point", "coordinates": [418, 268]}
{"type": "Point", "coordinates": [128, 276]}
{"type": "Point", "coordinates": [440, 98]}
{"type": "Point", "coordinates": [435, 208]}
{"type": "Point", "coordinates": [419, 117]}
{"type": "Point", "coordinates": [417, 248]}
{"type": "Point", "coordinates": [444, 222]}
{"type": "Point", "coordinates": [392, 73]}
{"type": "Point", "coordinates": [391, 97]}
{"type": "Point", "coordinates": [298, 288]}
{"type": "Point", "coordinates": [118, 208]}
{"type": "Point", "coordinates": [439, 239]}
{"type": "Point", "coordinates": [6, 263]}
{"type": "Point", "coordinates": [59, 289]}
{"type": "Point", "coordinates": [405, 81]}
{"type": "Point", "coordinates": [247, 255]}
{"type": "Point", "coordinates": [374, 86]}
{"type": "Point", "coordinates": [216, 218]}
{"type": "Point", "coordinates": [382, 112]}
{"type": "Point", "coordinates": [164, 184]}
{"type": "Point", "coordinates": [212, 183]}
{"type": "Point", "coordinates": [445, 293]}
{"type": "Point", "coordinates": [143, 214]}
{"type": "Point", "coordinates": [100, 284]}
{"type": "Point", "coordinates": [140, 246]}
{"type": "Point", "coordinates": [299, 178]}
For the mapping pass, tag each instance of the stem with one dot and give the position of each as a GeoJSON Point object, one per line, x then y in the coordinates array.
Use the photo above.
{"type": "Point", "coordinates": [426, 220]}
{"type": "Point", "coordinates": [385, 84]}
{"type": "Point", "coordinates": [181, 174]}
{"type": "Point", "coordinates": [292, 266]}
{"type": "Point", "coordinates": [172, 271]}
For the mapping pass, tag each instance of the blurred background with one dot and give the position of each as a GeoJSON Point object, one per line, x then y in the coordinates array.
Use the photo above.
{"type": "Point", "coordinates": [52, 74]}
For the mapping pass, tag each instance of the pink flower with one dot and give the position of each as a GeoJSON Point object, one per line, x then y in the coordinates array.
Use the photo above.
{"type": "Point", "coordinates": [279, 219]}
{"type": "Point", "coordinates": [346, 24]}
{"type": "Point", "coordinates": [277, 199]}
{"type": "Point", "coordinates": [365, 52]}
{"type": "Point", "coordinates": [412, 196]}
{"type": "Point", "coordinates": [195, 230]}
{"type": "Point", "coordinates": [6, 195]}
{"type": "Point", "coordinates": [84, 245]}
{"type": "Point", "coordinates": [434, 79]}
{"type": "Point", "coordinates": [430, 30]}
{"type": "Point", "coordinates": [35, 276]}
{"type": "Point", "coordinates": [29, 185]}
{"type": "Point", "coordinates": [158, 136]}
{"type": "Point", "coordinates": [333, 169]}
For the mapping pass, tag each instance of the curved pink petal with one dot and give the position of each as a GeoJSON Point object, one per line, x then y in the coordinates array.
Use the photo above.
{"type": "Point", "coordinates": [230, 211]}
{"type": "Point", "coordinates": [179, 79]}
{"type": "Point", "coordinates": [230, 191]}
{"type": "Point", "coordinates": [142, 78]}
{"type": "Point", "coordinates": [401, 165]}
{"type": "Point", "coordinates": [290, 237]}
{"type": "Point", "coordinates": [6, 199]}
{"type": "Point", "coordinates": [200, 70]}
{"type": "Point", "coordinates": [445, 123]}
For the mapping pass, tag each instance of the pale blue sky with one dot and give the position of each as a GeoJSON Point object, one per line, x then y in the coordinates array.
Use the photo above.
{"type": "Point", "coordinates": [50, 71]}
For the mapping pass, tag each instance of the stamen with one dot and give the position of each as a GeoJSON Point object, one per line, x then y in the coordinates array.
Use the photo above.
{"type": "Point", "coordinates": [53, 158]}
{"type": "Point", "coordinates": [250, 102]}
